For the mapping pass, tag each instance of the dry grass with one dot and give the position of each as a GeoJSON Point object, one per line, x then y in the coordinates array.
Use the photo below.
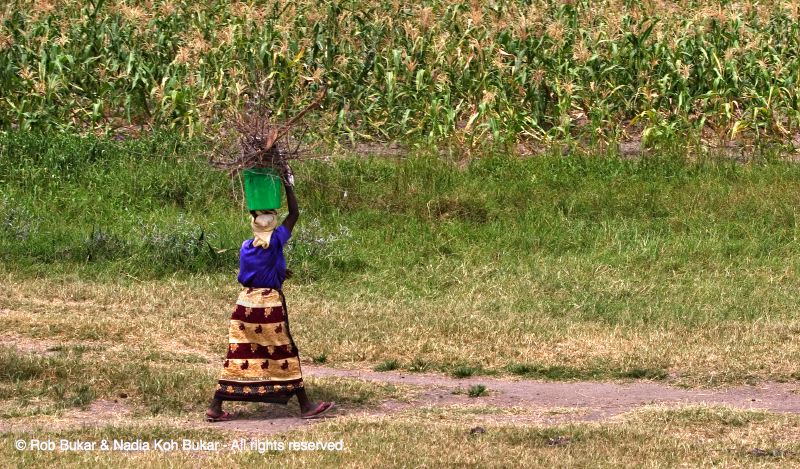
{"type": "Point", "coordinates": [188, 316]}
{"type": "Point", "coordinates": [692, 436]}
{"type": "Point", "coordinates": [159, 344]}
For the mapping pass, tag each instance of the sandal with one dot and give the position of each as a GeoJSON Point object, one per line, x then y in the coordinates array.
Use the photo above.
{"type": "Point", "coordinates": [223, 417]}
{"type": "Point", "coordinates": [322, 408]}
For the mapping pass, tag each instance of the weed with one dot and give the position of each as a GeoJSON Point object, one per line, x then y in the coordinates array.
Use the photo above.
{"type": "Point", "coordinates": [464, 371]}
{"type": "Point", "coordinates": [387, 365]}
{"type": "Point", "coordinates": [477, 390]}
{"type": "Point", "coordinates": [320, 359]}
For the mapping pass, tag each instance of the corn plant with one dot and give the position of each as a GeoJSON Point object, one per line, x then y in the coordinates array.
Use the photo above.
{"type": "Point", "coordinates": [475, 71]}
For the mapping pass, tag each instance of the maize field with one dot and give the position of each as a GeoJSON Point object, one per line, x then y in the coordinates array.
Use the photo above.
{"type": "Point", "coordinates": [500, 71]}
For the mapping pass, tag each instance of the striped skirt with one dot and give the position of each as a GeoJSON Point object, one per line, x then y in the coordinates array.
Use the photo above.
{"type": "Point", "coordinates": [262, 363]}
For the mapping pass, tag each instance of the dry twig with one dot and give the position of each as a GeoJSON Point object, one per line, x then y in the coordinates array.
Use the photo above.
{"type": "Point", "coordinates": [252, 139]}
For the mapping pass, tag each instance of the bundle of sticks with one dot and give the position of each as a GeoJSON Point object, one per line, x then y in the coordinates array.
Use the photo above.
{"type": "Point", "coordinates": [252, 139]}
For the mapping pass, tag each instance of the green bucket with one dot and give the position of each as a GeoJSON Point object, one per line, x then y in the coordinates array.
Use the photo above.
{"type": "Point", "coordinates": [262, 189]}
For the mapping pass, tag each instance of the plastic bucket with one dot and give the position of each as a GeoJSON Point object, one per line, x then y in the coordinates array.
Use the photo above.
{"type": "Point", "coordinates": [262, 189]}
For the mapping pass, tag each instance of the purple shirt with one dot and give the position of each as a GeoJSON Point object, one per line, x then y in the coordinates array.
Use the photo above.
{"type": "Point", "coordinates": [264, 268]}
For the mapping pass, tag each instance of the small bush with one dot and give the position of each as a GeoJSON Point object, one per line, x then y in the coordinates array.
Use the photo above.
{"type": "Point", "coordinates": [388, 365]}
{"type": "Point", "coordinates": [464, 371]}
{"type": "Point", "coordinates": [520, 368]}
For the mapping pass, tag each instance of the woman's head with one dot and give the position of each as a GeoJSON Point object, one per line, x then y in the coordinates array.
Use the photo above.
{"type": "Point", "coordinates": [263, 224]}
{"type": "Point", "coordinates": [265, 220]}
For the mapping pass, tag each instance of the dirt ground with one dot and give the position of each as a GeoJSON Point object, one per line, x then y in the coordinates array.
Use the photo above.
{"type": "Point", "coordinates": [539, 401]}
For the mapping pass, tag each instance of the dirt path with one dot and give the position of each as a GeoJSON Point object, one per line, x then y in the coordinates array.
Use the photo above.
{"type": "Point", "coordinates": [601, 399]}
{"type": "Point", "coordinates": [508, 401]}
{"type": "Point", "coordinates": [540, 401]}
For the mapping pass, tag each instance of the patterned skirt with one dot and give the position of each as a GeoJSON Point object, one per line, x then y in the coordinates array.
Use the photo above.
{"type": "Point", "coordinates": [262, 363]}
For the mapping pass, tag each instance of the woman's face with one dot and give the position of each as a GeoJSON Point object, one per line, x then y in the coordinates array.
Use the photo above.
{"type": "Point", "coordinates": [265, 220]}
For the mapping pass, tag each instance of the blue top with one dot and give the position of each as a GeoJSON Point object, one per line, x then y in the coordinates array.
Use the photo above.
{"type": "Point", "coordinates": [264, 268]}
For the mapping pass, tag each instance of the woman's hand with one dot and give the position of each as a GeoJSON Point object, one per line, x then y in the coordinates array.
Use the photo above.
{"type": "Point", "coordinates": [287, 175]}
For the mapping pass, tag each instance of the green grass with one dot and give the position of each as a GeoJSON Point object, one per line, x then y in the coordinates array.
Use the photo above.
{"type": "Point", "coordinates": [42, 384]}
{"type": "Point", "coordinates": [151, 207]}
{"type": "Point", "coordinates": [578, 267]}
{"type": "Point", "coordinates": [598, 371]}
{"type": "Point", "coordinates": [90, 201]}
{"type": "Point", "coordinates": [320, 359]}
{"type": "Point", "coordinates": [387, 365]}
{"type": "Point", "coordinates": [464, 371]}
{"type": "Point", "coordinates": [46, 384]}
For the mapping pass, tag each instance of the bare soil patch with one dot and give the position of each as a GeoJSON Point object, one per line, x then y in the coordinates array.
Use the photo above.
{"type": "Point", "coordinates": [601, 399]}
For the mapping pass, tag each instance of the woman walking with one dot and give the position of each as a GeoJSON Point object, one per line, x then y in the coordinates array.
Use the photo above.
{"type": "Point", "coordinates": [262, 363]}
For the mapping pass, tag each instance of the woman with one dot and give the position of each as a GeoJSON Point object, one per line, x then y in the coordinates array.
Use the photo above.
{"type": "Point", "coordinates": [262, 364]}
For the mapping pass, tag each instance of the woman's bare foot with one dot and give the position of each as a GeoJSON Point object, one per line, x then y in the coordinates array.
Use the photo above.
{"type": "Point", "coordinates": [310, 409]}
{"type": "Point", "coordinates": [215, 412]}
{"type": "Point", "coordinates": [315, 409]}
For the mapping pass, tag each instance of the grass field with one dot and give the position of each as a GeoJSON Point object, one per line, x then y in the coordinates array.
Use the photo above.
{"type": "Point", "coordinates": [576, 267]}
{"type": "Point", "coordinates": [118, 274]}
{"type": "Point", "coordinates": [497, 192]}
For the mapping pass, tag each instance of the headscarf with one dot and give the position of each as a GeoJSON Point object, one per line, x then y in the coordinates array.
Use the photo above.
{"type": "Point", "coordinates": [263, 225]}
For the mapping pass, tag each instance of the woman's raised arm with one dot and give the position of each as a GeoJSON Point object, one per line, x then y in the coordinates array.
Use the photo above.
{"type": "Point", "coordinates": [291, 202]}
